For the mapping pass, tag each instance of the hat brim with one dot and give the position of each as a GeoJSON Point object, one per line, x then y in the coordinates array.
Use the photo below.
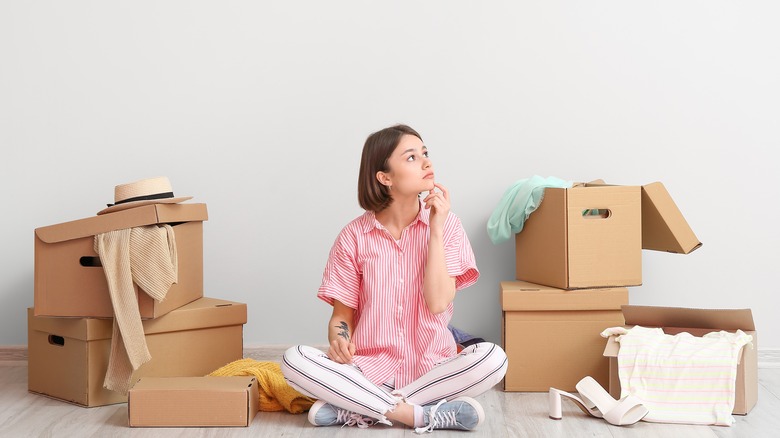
{"type": "Point", "coordinates": [127, 205]}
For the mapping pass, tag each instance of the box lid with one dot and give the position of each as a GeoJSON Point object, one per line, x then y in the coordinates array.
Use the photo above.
{"type": "Point", "coordinates": [132, 217]}
{"type": "Point", "coordinates": [663, 226]}
{"type": "Point", "coordinates": [202, 313]}
{"type": "Point", "coordinates": [206, 383]}
{"type": "Point", "coordinates": [525, 296]}
{"type": "Point", "coordinates": [716, 319]}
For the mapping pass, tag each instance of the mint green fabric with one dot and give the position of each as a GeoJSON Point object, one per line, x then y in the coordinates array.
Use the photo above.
{"type": "Point", "coordinates": [518, 202]}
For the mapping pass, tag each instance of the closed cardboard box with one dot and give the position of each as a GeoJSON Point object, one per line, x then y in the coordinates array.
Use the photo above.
{"type": "Point", "coordinates": [592, 235]}
{"type": "Point", "coordinates": [69, 278]}
{"type": "Point", "coordinates": [68, 357]}
{"type": "Point", "coordinates": [698, 322]}
{"type": "Point", "coordinates": [193, 402]}
{"type": "Point", "coordinates": [552, 336]}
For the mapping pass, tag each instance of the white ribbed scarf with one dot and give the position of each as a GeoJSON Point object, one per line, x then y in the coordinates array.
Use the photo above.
{"type": "Point", "coordinates": [147, 257]}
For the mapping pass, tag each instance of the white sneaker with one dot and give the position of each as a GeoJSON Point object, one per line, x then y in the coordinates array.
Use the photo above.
{"type": "Point", "coordinates": [462, 413]}
{"type": "Point", "coordinates": [325, 414]}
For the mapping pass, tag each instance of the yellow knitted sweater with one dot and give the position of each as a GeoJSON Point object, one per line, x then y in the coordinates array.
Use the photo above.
{"type": "Point", "coordinates": [275, 393]}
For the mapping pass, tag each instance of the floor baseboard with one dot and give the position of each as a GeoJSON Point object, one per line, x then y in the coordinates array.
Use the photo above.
{"type": "Point", "coordinates": [17, 354]}
{"type": "Point", "coordinates": [769, 358]}
{"type": "Point", "coordinates": [13, 355]}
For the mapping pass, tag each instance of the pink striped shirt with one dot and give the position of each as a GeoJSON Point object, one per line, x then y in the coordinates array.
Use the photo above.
{"type": "Point", "coordinates": [395, 335]}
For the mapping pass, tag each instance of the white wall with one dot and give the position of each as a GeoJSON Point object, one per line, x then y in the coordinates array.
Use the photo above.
{"type": "Point", "coordinates": [260, 109]}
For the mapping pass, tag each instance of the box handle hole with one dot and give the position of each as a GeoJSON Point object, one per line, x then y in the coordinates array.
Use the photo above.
{"type": "Point", "coordinates": [57, 340]}
{"type": "Point", "coordinates": [596, 213]}
{"type": "Point", "coordinates": [90, 261]}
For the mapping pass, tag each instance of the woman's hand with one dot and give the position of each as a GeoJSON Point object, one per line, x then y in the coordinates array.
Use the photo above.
{"type": "Point", "coordinates": [439, 204]}
{"type": "Point", "coordinates": [341, 350]}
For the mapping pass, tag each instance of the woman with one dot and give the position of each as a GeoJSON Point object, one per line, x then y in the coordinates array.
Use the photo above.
{"type": "Point", "coordinates": [391, 277]}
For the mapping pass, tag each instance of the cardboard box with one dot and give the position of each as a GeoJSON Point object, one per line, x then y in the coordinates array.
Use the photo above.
{"type": "Point", "coordinates": [552, 336]}
{"type": "Point", "coordinates": [564, 245]}
{"type": "Point", "coordinates": [698, 322]}
{"type": "Point", "coordinates": [68, 357]}
{"type": "Point", "coordinates": [193, 401]}
{"type": "Point", "coordinates": [69, 279]}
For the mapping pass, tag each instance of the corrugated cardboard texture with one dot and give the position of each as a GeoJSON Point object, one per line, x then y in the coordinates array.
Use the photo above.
{"type": "Point", "coordinates": [561, 247]}
{"type": "Point", "coordinates": [550, 341]}
{"type": "Point", "coordinates": [133, 217]}
{"type": "Point", "coordinates": [64, 287]}
{"type": "Point", "coordinates": [564, 248]}
{"type": "Point", "coordinates": [698, 322]}
{"type": "Point", "coordinates": [193, 402]}
{"type": "Point", "coordinates": [67, 357]}
{"type": "Point", "coordinates": [525, 296]}
{"type": "Point", "coordinates": [663, 226]}
{"type": "Point", "coordinates": [720, 319]}
{"type": "Point", "coordinates": [541, 255]}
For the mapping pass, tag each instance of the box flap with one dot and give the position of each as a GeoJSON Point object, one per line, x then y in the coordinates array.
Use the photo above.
{"type": "Point", "coordinates": [716, 319]}
{"type": "Point", "coordinates": [199, 314]}
{"type": "Point", "coordinates": [525, 296]}
{"type": "Point", "coordinates": [132, 217]}
{"type": "Point", "coordinates": [663, 226]}
{"type": "Point", "coordinates": [206, 383]}
{"type": "Point", "coordinates": [84, 329]}
{"type": "Point", "coordinates": [612, 348]}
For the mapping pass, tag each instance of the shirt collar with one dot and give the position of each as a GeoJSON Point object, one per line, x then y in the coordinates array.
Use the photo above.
{"type": "Point", "coordinates": [370, 222]}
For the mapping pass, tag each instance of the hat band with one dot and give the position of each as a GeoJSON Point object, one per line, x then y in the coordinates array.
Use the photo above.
{"type": "Point", "coordinates": [144, 198]}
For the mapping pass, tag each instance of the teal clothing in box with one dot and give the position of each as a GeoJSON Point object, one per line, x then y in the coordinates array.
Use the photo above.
{"type": "Point", "coordinates": [518, 202]}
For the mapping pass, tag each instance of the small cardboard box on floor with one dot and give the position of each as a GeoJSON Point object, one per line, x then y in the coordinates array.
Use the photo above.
{"type": "Point", "coordinates": [69, 279]}
{"type": "Point", "coordinates": [592, 235]}
{"type": "Point", "coordinates": [68, 357]}
{"type": "Point", "coordinates": [193, 402]}
{"type": "Point", "coordinates": [698, 322]}
{"type": "Point", "coordinates": [552, 336]}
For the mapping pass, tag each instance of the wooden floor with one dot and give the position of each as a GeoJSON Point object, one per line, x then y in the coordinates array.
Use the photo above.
{"type": "Point", "coordinates": [23, 414]}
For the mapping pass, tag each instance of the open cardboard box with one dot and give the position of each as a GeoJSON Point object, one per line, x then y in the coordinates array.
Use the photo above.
{"type": "Point", "coordinates": [565, 245]}
{"type": "Point", "coordinates": [552, 336]}
{"type": "Point", "coordinates": [68, 357]}
{"type": "Point", "coordinates": [698, 322]}
{"type": "Point", "coordinates": [193, 402]}
{"type": "Point", "coordinates": [70, 281]}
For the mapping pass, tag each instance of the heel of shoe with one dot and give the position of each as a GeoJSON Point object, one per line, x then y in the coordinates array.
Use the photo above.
{"type": "Point", "coordinates": [556, 413]}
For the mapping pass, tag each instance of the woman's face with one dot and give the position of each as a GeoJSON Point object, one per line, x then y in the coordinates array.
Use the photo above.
{"type": "Point", "coordinates": [410, 169]}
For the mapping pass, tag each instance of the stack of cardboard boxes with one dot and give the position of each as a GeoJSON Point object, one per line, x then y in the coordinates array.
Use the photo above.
{"type": "Point", "coordinates": [70, 325]}
{"type": "Point", "coordinates": [575, 257]}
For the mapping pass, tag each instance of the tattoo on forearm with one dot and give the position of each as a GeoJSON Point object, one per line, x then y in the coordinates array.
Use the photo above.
{"type": "Point", "coordinates": [344, 333]}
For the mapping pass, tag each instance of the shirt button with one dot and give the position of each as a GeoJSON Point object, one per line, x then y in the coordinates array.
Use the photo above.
{"type": "Point", "coordinates": [402, 280]}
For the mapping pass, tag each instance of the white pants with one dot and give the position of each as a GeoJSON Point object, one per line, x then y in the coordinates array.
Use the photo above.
{"type": "Point", "coordinates": [473, 371]}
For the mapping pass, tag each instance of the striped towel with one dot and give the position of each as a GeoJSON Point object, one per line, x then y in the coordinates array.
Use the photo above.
{"type": "Point", "coordinates": [681, 378]}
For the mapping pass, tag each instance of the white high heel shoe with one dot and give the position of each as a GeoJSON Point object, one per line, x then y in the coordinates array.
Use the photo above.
{"type": "Point", "coordinates": [556, 413]}
{"type": "Point", "coordinates": [624, 412]}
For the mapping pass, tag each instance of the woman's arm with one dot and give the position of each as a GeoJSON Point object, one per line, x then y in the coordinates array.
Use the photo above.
{"type": "Point", "coordinates": [438, 286]}
{"type": "Point", "coordinates": [340, 333]}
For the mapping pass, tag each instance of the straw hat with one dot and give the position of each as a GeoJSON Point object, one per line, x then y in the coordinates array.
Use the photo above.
{"type": "Point", "coordinates": [146, 191]}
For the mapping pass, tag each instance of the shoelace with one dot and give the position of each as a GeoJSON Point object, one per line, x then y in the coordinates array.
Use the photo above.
{"type": "Point", "coordinates": [438, 420]}
{"type": "Point", "coordinates": [353, 419]}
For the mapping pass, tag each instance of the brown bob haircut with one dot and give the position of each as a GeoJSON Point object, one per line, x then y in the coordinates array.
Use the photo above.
{"type": "Point", "coordinates": [373, 195]}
